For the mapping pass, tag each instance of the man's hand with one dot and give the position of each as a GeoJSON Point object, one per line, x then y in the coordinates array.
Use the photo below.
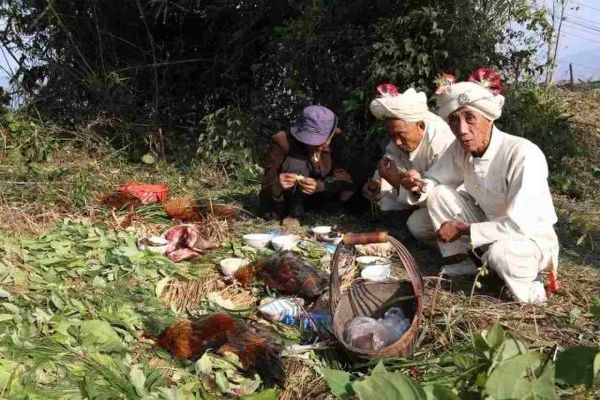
{"type": "Point", "coordinates": [342, 175]}
{"type": "Point", "coordinates": [411, 181]}
{"type": "Point", "coordinates": [452, 230]}
{"type": "Point", "coordinates": [371, 190]}
{"type": "Point", "coordinates": [310, 185]}
{"type": "Point", "coordinates": [287, 180]}
{"type": "Point", "coordinates": [389, 171]}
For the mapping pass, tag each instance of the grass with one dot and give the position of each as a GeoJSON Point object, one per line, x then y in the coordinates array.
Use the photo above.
{"type": "Point", "coordinates": [37, 195]}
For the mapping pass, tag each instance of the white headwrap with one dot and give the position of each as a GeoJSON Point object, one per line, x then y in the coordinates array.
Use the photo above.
{"type": "Point", "coordinates": [410, 106]}
{"type": "Point", "coordinates": [471, 95]}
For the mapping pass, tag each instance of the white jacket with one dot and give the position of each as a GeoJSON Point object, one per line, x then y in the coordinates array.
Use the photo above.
{"type": "Point", "coordinates": [510, 184]}
{"type": "Point", "coordinates": [436, 139]}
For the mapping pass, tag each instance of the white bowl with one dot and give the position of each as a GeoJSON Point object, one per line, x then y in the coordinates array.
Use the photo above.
{"type": "Point", "coordinates": [276, 309]}
{"type": "Point", "coordinates": [376, 273]}
{"type": "Point", "coordinates": [366, 261]}
{"type": "Point", "coordinates": [155, 244]}
{"type": "Point", "coordinates": [258, 240]}
{"type": "Point", "coordinates": [321, 230]}
{"type": "Point", "coordinates": [284, 242]}
{"type": "Point", "coordinates": [230, 265]}
{"type": "Point", "coordinates": [326, 238]}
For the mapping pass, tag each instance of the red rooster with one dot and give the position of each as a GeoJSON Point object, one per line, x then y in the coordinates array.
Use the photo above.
{"type": "Point", "coordinates": [287, 273]}
{"type": "Point", "coordinates": [189, 339]}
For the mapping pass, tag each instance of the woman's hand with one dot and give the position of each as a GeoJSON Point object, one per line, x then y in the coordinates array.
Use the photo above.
{"type": "Point", "coordinates": [310, 186]}
{"type": "Point", "coordinates": [287, 180]}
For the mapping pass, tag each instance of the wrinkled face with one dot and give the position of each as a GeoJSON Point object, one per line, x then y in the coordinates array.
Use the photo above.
{"type": "Point", "coordinates": [471, 129]}
{"type": "Point", "coordinates": [314, 152]}
{"type": "Point", "coordinates": [405, 135]}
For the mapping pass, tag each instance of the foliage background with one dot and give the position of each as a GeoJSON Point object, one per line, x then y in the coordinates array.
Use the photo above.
{"type": "Point", "coordinates": [211, 80]}
{"type": "Point", "coordinates": [170, 63]}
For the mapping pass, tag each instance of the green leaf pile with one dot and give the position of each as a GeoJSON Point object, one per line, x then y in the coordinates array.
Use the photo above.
{"type": "Point", "coordinates": [74, 304]}
{"type": "Point", "coordinates": [497, 366]}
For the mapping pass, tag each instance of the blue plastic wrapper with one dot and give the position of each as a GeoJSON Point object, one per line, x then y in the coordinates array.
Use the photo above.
{"type": "Point", "coordinates": [330, 248]}
{"type": "Point", "coordinates": [321, 319]}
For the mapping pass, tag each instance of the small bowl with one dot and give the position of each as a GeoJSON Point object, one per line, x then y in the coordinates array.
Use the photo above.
{"type": "Point", "coordinates": [154, 244]}
{"type": "Point", "coordinates": [230, 265]}
{"type": "Point", "coordinates": [284, 242]}
{"type": "Point", "coordinates": [335, 239]}
{"type": "Point", "coordinates": [321, 230]}
{"type": "Point", "coordinates": [366, 261]}
{"type": "Point", "coordinates": [376, 273]}
{"type": "Point", "coordinates": [257, 240]}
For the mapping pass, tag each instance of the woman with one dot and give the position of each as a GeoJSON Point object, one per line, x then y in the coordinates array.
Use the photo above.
{"type": "Point", "coordinates": [305, 169]}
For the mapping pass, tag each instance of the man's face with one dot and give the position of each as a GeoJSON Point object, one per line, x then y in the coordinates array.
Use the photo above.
{"type": "Point", "coordinates": [405, 135]}
{"type": "Point", "coordinates": [471, 129]}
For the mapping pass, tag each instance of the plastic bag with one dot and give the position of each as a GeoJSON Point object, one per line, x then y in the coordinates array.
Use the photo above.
{"type": "Point", "coordinates": [369, 334]}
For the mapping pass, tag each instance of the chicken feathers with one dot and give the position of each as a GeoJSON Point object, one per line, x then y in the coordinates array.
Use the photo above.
{"type": "Point", "coordinates": [220, 332]}
{"type": "Point", "coordinates": [287, 273]}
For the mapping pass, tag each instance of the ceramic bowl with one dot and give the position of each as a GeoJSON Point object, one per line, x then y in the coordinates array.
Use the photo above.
{"type": "Point", "coordinates": [321, 230]}
{"type": "Point", "coordinates": [257, 240]}
{"type": "Point", "coordinates": [376, 273]}
{"type": "Point", "coordinates": [331, 237]}
{"type": "Point", "coordinates": [155, 244]}
{"type": "Point", "coordinates": [284, 242]}
{"type": "Point", "coordinates": [366, 261]}
{"type": "Point", "coordinates": [230, 265]}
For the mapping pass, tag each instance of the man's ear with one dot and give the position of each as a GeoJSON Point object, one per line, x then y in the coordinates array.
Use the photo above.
{"type": "Point", "coordinates": [421, 124]}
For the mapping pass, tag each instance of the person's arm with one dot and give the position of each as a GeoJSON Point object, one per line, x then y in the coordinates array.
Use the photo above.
{"type": "Point", "coordinates": [271, 189]}
{"type": "Point", "coordinates": [338, 151]}
{"type": "Point", "coordinates": [529, 201]}
{"type": "Point", "coordinates": [390, 170]}
{"type": "Point", "coordinates": [447, 170]}
{"type": "Point", "coordinates": [338, 179]}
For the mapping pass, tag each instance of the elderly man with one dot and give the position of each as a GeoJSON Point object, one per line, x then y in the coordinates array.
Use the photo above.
{"type": "Point", "coordinates": [505, 210]}
{"type": "Point", "coordinates": [418, 138]}
{"type": "Point", "coordinates": [305, 169]}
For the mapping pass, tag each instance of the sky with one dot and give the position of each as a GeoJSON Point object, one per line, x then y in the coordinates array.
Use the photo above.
{"type": "Point", "coordinates": [579, 42]}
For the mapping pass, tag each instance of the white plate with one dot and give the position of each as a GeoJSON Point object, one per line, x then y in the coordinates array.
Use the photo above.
{"type": "Point", "coordinates": [376, 273]}
{"type": "Point", "coordinates": [230, 265]}
{"type": "Point", "coordinates": [257, 240]}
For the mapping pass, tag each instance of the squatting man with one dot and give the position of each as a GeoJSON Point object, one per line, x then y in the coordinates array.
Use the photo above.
{"type": "Point", "coordinates": [489, 191]}
{"type": "Point", "coordinates": [418, 138]}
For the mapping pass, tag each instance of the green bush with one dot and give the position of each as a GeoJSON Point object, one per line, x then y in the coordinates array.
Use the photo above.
{"type": "Point", "coordinates": [541, 115]}
{"type": "Point", "coordinates": [228, 138]}
{"type": "Point", "coordinates": [25, 138]}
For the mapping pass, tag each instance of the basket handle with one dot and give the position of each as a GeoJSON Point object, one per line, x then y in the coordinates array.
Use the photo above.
{"type": "Point", "coordinates": [334, 279]}
{"type": "Point", "coordinates": [407, 260]}
{"type": "Point", "coordinates": [365, 238]}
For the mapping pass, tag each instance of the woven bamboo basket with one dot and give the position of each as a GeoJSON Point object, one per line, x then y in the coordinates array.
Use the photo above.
{"type": "Point", "coordinates": [373, 299]}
